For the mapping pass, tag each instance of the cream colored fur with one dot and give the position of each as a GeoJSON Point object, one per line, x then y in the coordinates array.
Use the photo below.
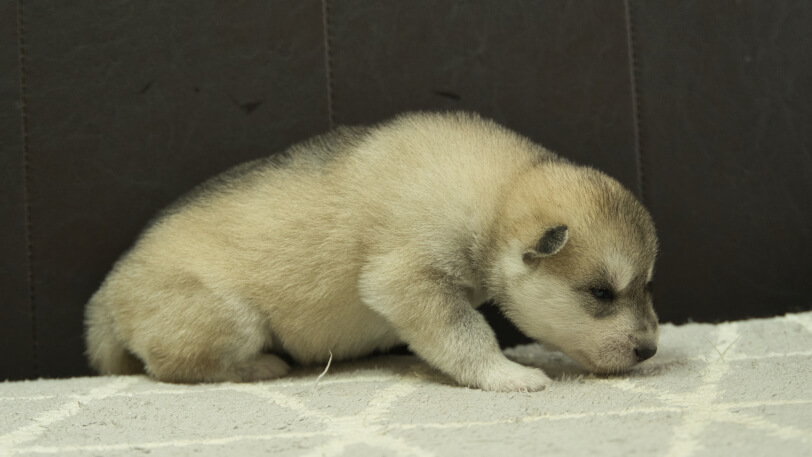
{"type": "Point", "coordinates": [366, 238]}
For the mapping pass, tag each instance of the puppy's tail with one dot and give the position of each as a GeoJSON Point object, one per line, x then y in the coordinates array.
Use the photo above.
{"type": "Point", "coordinates": [105, 351]}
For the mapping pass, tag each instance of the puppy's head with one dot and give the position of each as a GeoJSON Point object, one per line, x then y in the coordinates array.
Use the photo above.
{"type": "Point", "coordinates": [575, 266]}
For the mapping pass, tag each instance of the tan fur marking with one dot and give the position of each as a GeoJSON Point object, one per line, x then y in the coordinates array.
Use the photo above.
{"type": "Point", "coordinates": [620, 269]}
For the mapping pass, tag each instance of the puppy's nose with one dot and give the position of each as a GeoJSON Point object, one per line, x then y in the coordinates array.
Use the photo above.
{"type": "Point", "coordinates": [644, 352]}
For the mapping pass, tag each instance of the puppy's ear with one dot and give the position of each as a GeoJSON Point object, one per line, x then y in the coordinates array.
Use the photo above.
{"type": "Point", "coordinates": [550, 243]}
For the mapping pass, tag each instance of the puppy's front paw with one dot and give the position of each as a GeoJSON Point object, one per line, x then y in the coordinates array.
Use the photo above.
{"type": "Point", "coordinates": [515, 378]}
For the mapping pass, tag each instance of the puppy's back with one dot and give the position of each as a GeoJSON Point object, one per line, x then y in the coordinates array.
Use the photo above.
{"type": "Point", "coordinates": [277, 245]}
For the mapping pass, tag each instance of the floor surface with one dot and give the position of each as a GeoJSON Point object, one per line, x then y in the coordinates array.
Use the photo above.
{"type": "Point", "coordinates": [742, 388]}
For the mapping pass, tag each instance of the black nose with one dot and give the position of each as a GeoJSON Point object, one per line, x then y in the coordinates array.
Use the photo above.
{"type": "Point", "coordinates": [645, 352]}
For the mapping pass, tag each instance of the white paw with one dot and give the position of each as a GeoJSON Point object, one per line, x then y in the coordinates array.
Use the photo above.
{"type": "Point", "coordinates": [513, 377]}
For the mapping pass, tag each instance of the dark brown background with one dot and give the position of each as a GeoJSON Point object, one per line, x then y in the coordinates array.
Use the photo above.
{"type": "Point", "coordinates": [110, 110]}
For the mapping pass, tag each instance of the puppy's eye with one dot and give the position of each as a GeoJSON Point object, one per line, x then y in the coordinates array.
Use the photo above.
{"type": "Point", "coordinates": [650, 287]}
{"type": "Point", "coordinates": [602, 293]}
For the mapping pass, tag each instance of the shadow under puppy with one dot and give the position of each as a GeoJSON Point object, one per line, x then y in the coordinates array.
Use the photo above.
{"type": "Point", "coordinates": [365, 238]}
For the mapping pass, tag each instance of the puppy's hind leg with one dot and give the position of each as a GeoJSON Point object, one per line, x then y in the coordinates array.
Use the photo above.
{"type": "Point", "coordinates": [196, 336]}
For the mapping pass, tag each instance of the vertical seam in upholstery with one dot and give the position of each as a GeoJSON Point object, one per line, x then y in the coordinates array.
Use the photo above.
{"type": "Point", "coordinates": [21, 56]}
{"type": "Point", "coordinates": [633, 73]}
{"type": "Point", "coordinates": [328, 61]}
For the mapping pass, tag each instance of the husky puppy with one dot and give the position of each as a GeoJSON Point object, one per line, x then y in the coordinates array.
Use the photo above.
{"type": "Point", "coordinates": [365, 238]}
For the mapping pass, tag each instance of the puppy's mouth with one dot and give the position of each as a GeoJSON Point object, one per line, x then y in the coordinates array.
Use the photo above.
{"type": "Point", "coordinates": [612, 370]}
{"type": "Point", "coordinates": [599, 361]}
{"type": "Point", "coordinates": [602, 367]}
{"type": "Point", "coordinates": [583, 360]}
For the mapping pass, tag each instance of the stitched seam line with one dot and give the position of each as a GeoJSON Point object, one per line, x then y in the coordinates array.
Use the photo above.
{"type": "Point", "coordinates": [328, 61]}
{"type": "Point", "coordinates": [21, 56]}
{"type": "Point", "coordinates": [633, 74]}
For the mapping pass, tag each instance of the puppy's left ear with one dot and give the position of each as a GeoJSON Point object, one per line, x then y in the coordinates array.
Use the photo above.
{"type": "Point", "coordinates": [550, 243]}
